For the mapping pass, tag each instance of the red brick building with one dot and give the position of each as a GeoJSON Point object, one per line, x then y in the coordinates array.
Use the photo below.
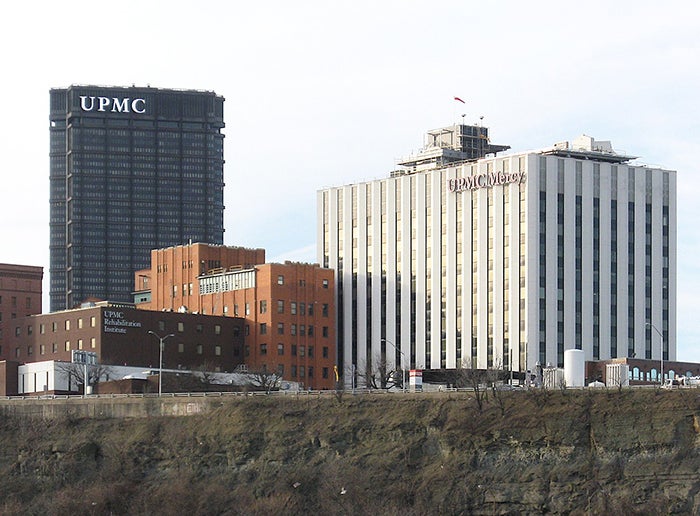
{"type": "Point", "coordinates": [20, 295]}
{"type": "Point", "coordinates": [171, 282]}
{"type": "Point", "coordinates": [288, 308]}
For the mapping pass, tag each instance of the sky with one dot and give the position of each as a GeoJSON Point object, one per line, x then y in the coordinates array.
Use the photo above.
{"type": "Point", "coordinates": [323, 93]}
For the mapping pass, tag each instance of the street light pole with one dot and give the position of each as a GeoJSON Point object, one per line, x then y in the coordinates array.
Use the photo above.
{"type": "Point", "coordinates": [403, 369]}
{"type": "Point", "coordinates": [160, 359]}
{"type": "Point", "coordinates": [662, 350]}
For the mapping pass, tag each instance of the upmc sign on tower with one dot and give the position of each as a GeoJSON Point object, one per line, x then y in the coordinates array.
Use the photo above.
{"type": "Point", "coordinates": [132, 169]}
{"type": "Point", "coordinates": [113, 104]}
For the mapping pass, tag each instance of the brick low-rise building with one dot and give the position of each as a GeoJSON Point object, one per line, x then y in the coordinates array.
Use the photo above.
{"type": "Point", "coordinates": [288, 308]}
{"type": "Point", "coordinates": [119, 335]}
{"type": "Point", "coordinates": [20, 295]}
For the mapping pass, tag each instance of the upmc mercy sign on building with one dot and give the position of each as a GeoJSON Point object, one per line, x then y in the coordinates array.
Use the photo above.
{"type": "Point", "coordinates": [132, 169]}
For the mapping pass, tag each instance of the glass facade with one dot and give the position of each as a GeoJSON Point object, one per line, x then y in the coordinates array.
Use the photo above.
{"type": "Point", "coordinates": [131, 169]}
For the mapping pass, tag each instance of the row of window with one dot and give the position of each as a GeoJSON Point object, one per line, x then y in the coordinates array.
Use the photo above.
{"type": "Point", "coordinates": [300, 351]}
{"type": "Point", "coordinates": [302, 330]}
{"type": "Point", "coordinates": [294, 308]}
{"type": "Point", "coordinates": [93, 322]}
{"type": "Point", "coordinates": [13, 302]}
{"type": "Point", "coordinates": [43, 348]}
{"type": "Point", "coordinates": [302, 283]}
{"type": "Point", "coordinates": [199, 327]}
{"type": "Point", "coordinates": [55, 325]}
{"type": "Point", "coordinates": [67, 346]}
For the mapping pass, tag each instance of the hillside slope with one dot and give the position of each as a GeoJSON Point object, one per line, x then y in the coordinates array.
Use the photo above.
{"type": "Point", "coordinates": [571, 452]}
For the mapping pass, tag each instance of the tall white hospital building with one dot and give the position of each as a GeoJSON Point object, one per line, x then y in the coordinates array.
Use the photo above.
{"type": "Point", "coordinates": [471, 257]}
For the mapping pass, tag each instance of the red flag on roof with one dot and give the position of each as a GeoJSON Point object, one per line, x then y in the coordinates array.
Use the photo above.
{"type": "Point", "coordinates": [459, 100]}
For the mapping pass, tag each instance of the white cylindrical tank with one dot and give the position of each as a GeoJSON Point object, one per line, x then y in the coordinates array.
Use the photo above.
{"type": "Point", "coordinates": [574, 367]}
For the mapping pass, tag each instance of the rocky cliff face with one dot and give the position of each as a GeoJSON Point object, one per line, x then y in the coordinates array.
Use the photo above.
{"type": "Point", "coordinates": [562, 452]}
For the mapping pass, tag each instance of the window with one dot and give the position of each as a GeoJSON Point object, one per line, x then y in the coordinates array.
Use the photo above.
{"type": "Point", "coordinates": [294, 371]}
{"type": "Point", "coordinates": [280, 280]}
{"type": "Point", "coordinates": [235, 310]}
{"type": "Point", "coordinates": [311, 309]}
{"type": "Point", "coordinates": [28, 303]}
{"type": "Point", "coordinates": [80, 343]}
{"type": "Point", "coordinates": [302, 351]}
{"type": "Point", "coordinates": [42, 327]}
{"type": "Point", "coordinates": [66, 325]}
{"type": "Point", "coordinates": [181, 327]}
{"type": "Point", "coordinates": [263, 328]}
{"type": "Point", "coordinates": [80, 322]}
{"type": "Point", "coordinates": [200, 328]}
{"type": "Point", "coordinates": [293, 308]}
{"type": "Point", "coordinates": [42, 349]}
{"type": "Point", "coordinates": [13, 300]}
{"type": "Point", "coordinates": [30, 350]}
{"type": "Point", "coordinates": [30, 330]}
{"type": "Point", "coordinates": [280, 370]}
{"type": "Point", "coordinates": [294, 350]}
{"type": "Point", "coordinates": [161, 325]}
{"type": "Point", "coordinates": [324, 310]}
{"type": "Point", "coordinates": [280, 349]}
{"type": "Point", "coordinates": [325, 283]}
{"type": "Point", "coordinates": [325, 351]}
{"type": "Point", "coordinates": [325, 372]}
{"type": "Point", "coordinates": [263, 307]}
{"type": "Point", "coordinates": [311, 372]}
{"type": "Point", "coordinates": [302, 330]}
{"type": "Point", "coordinates": [181, 348]}
{"type": "Point", "coordinates": [217, 350]}
{"type": "Point", "coordinates": [247, 351]}
{"type": "Point", "coordinates": [18, 331]}
{"type": "Point", "coordinates": [263, 349]}
{"type": "Point", "coordinates": [325, 331]}
{"type": "Point", "coordinates": [280, 306]}
{"type": "Point", "coordinates": [302, 372]}
{"type": "Point", "coordinates": [311, 351]}
{"type": "Point", "coordinates": [54, 348]}
{"type": "Point", "coordinates": [217, 329]}
{"type": "Point", "coordinates": [67, 345]}
{"type": "Point", "coordinates": [246, 330]}
{"type": "Point", "coordinates": [280, 328]}
{"type": "Point", "coordinates": [247, 308]}
{"type": "Point", "coordinates": [93, 343]}
{"type": "Point", "coordinates": [302, 309]}
{"type": "Point", "coordinates": [311, 331]}
{"type": "Point", "coordinates": [199, 349]}
{"type": "Point", "coordinates": [293, 329]}
{"type": "Point", "coordinates": [92, 321]}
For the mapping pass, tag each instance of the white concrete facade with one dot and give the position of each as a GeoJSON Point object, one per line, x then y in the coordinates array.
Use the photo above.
{"type": "Point", "coordinates": [508, 259]}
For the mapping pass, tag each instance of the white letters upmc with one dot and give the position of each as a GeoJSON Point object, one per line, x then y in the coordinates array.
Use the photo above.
{"type": "Point", "coordinates": [117, 105]}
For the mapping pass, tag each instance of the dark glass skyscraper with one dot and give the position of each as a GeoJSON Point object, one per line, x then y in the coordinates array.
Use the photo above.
{"type": "Point", "coordinates": [132, 169]}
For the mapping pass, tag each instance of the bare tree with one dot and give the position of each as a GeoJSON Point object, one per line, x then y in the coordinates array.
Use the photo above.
{"type": "Point", "coordinates": [475, 379]}
{"type": "Point", "coordinates": [264, 380]}
{"type": "Point", "coordinates": [377, 374]}
{"type": "Point", "coordinates": [75, 373]}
